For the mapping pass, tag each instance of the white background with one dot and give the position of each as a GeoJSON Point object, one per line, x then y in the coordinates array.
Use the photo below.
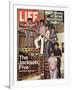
{"type": "Point", "coordinates": [4, 46]}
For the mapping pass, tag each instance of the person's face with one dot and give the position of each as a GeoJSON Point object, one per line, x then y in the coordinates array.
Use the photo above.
{"type": "Point", "coordinates": [56, 46]}
{"type": "Point", "coordinates": [47, 28]}
{"type": "Point", "coordinates": [41, 23]}
{"type": "Point", "coordinates": [29, 21]}
{"type": "Point", "coordinates": [36, 23]}
{"type": "Point", "coordinates": [53, 30]}
{"type": "Point", "coordinates": [52, 54]}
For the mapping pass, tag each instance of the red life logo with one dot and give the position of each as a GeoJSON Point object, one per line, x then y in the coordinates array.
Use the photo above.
{"type": "Point", "coordinates": [23, 15]}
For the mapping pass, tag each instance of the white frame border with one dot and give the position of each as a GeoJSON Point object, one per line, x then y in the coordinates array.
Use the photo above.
{"type": "Point", "coordinates": [13, 45]}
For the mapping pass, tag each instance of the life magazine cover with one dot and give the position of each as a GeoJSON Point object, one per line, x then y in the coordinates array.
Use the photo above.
{"type": "Point", "coordinates": [40, 44]}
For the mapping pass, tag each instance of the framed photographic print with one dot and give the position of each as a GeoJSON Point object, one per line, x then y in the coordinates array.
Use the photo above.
{"type": "Point", "coordinates": [38, 44]}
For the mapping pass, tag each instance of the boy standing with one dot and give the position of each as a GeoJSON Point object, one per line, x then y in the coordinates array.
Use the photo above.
{"type": "Point", "coordinates": [53, 66]}
{"type": "Point", "coordinates": [53, 37]}
{"type": "Point", "coordinates": [28, 32]}
{"type": "Point", "coordinates": [46, 41]}
{"type": "Point", "coordinates": [58, 54]}
{"type": "Point", "coordinates": [42, 32]}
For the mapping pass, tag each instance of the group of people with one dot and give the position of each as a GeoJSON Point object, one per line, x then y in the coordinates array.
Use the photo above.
{"type": "Point", "coordinates": [48, 46]}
